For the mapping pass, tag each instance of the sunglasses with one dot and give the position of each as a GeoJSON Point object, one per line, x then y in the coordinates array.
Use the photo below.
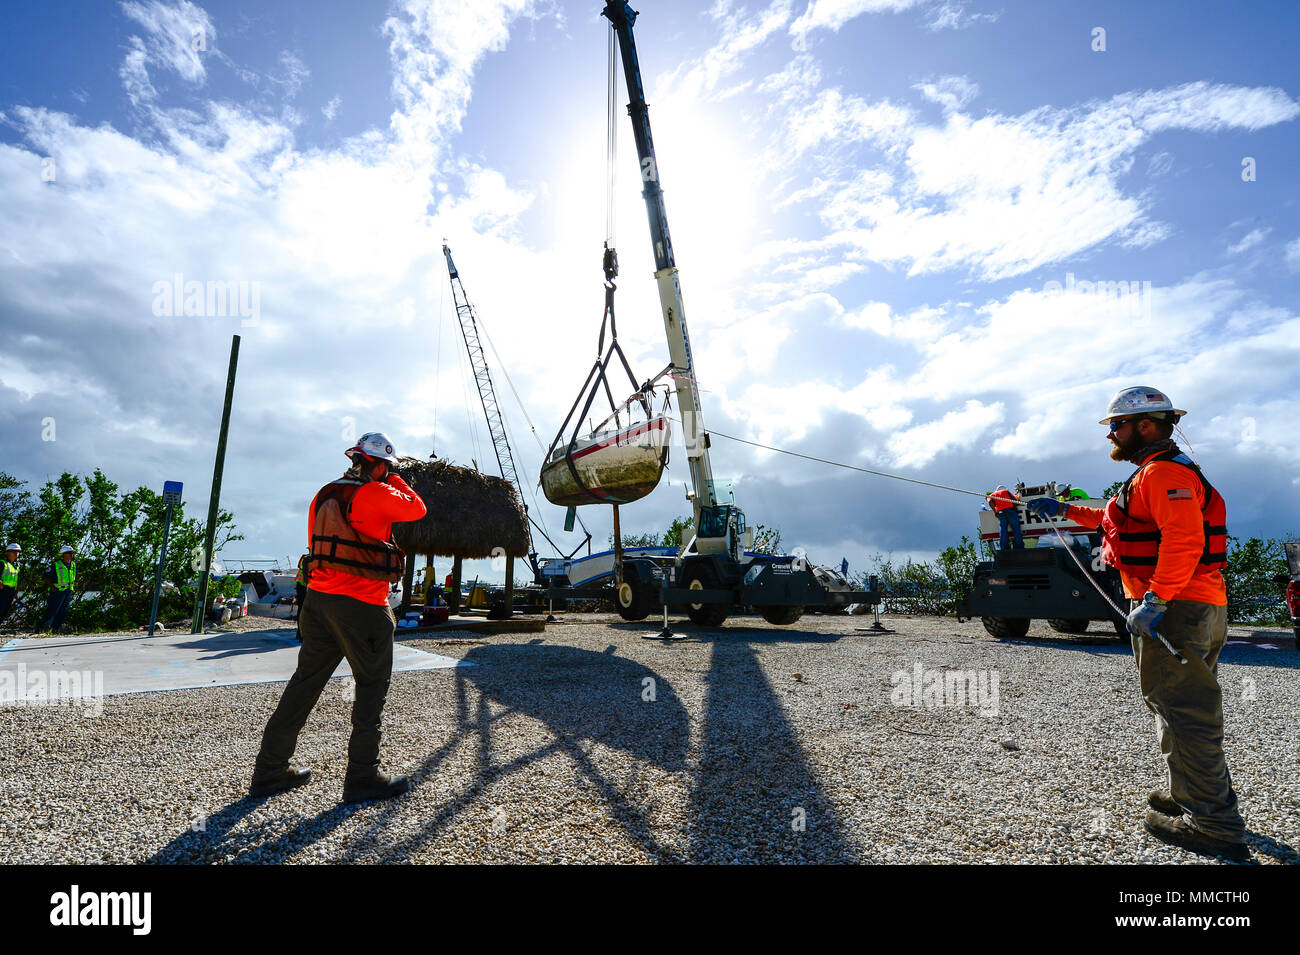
{"type": "Point", "coordinates": [1116, 425]}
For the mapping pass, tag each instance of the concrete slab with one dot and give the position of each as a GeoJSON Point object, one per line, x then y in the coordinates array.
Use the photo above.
{"type": "Point", "coordinates": [77, 667]}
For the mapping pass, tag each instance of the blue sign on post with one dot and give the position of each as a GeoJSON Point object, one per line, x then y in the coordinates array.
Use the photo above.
{"type": "Point", "coordinates": [172, 493]}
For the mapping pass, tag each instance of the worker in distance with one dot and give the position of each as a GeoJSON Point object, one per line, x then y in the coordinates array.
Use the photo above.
{"type": "Point", "coordinates": [1166, 532]}
{"type": "Point", "coordinates": [352, 561]}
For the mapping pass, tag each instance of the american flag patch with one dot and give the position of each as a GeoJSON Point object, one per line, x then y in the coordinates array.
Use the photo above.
{"type": "Point", "coordinates": [1180, 494]}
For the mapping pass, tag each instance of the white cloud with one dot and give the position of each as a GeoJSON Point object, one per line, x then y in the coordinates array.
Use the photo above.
{"type": "Point", "coordinates": [176, 36]}
{"type": "Point", "coordinates": [295, 74]}
{"type": "Point", "coordinates": [950, 92]}
{"type": "Point", "coordinates": [1292, 255]}
{"type": "Point", "coordinates": [1251, 239]}
{"type": "Point", "coordinates": [1160, 164]}
{"type": "Point", "coordinates": [331, 109]}
{"type": "Point", "coordinates": [1002, 195]}
{"type": "Point", "coordinates": [956, 15]}
{"type": "Point", "coordinates": [919, 445]}
{"type": "Point", "coordinates": [833, 14]}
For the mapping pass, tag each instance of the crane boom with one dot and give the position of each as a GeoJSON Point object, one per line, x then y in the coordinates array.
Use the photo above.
{"type": "Point", "coordinates": [622, 16]}
{"type": "Point", "coordinates": [714, 571]}
{"type": "Point", "coordinates": [486, 393]}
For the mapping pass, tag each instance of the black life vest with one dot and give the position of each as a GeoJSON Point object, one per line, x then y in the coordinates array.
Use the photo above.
{"type": "Point", "coordinates": [1134, 546]}
{"type": "Point", "coordinates": [336, 544]}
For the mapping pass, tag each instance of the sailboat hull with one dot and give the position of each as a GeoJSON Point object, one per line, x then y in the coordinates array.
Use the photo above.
{"type": "Point", "coordinates": [614, 467]}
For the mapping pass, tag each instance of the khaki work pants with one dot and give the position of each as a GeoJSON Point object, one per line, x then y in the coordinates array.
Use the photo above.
{"type": "Point", "coordinates": [334, 627]}
{"type": "Point", "coordinates": [1188, 706]}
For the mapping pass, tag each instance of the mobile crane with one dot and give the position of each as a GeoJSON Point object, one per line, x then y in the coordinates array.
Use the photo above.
{"type": "Point", "coordinates": [712, 573]}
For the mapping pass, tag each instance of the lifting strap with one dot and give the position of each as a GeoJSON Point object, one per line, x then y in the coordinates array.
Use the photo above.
{"type": "Point", "coordinates": [597, 381]}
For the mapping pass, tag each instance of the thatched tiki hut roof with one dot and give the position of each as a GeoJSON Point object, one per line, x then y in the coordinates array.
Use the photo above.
{"type": "Point", "coordinates": [470, 513]}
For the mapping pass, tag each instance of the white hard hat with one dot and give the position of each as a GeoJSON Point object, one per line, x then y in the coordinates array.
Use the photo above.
{"type": "Point", "coordinates": [67, 549]}
{"type": "Point", "coordinates": [1140, 400]}
{"type": "Point", "coordinates": [17, 547]}
{"type": "Point", "coordinates": [374, 444]}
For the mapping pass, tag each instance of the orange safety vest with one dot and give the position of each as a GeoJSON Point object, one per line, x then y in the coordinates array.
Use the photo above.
{"type": "Point", "coordinates": [335, 543]}
{"type": "Point", "coordinates": [1001, 500]}
{"type": "Point", "coordinates": [1134, 546]}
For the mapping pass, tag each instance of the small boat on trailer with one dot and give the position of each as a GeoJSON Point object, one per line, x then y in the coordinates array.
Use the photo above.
{"type": "Point", "coordinates": [608, 467]}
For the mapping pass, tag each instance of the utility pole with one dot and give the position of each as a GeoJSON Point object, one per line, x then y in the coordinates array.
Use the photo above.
{"type": "Point", "coordinates": [201, 608]}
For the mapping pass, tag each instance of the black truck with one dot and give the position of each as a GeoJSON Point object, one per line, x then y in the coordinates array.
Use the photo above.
{"type": "Point", "coordinates": [1043, 582]}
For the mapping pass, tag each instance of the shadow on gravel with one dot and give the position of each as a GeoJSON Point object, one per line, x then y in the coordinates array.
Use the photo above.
{"type": "Point", "coordinates": [1106, 647]}
{"type": "Point", "coordinates": [583, 698]}
{"type": "Point", "coordinates": [1251, 656]}
{"type": "Point", "coordinates": [731, 630]}
{"type": "Point", "coordinates": [239, 644]}
{"type": "Point", "coordinates": [1267, 845]}
{"type": "Point", "coordinates": [755, 797]}
{"type": "Point", "coordinates": [216, 843]}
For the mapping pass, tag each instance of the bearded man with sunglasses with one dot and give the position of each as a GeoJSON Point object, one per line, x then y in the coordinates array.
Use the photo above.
{"type": "Point", "coordinates": [1166, 533]}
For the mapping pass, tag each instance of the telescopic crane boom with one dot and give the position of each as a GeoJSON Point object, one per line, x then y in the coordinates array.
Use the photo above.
{"type": "Point", "coordinates": [713, 572]}
{"type": "Point", "coordinates": [704, 497]}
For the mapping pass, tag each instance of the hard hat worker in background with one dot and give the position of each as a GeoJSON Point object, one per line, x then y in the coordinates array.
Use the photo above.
{"type": "Point", "coordinates": [61, 576]}
{"type": "Point", "coordinates": [353, 559]}
{"type": "Point", "coordinates": [9, 580]}
{"type": "Point", "coordinates": [1166, 533]}
{"type": "Point", "coordinates": [1003, 503]}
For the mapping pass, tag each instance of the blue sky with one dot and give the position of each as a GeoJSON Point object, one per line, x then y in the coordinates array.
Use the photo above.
{"type": "Point", "coordinates": [870, 201]}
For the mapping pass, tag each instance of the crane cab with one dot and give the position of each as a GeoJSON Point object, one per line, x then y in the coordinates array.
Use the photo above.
{"type": "Point", "coordinates": [722, 530]}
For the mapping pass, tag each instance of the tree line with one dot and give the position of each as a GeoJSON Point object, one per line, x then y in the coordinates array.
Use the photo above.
{"type": "Point", "coordinates": [117, 536]}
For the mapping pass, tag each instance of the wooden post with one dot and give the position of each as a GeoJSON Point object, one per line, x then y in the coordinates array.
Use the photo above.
{"type": "Point", "coordinates": [510, 586]}
{"type": "Point", "coordinates": [214, 501]}
{"type": "Point", "coordinates": [408, 584]}
{"type": "Point", "coordinates": [618, 550]}
{"type": "Point", "coordinates": [429, 572]}
{"type": "Point", "coordinates": [454, 602]}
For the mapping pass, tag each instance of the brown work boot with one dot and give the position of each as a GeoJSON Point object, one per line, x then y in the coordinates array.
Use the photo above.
{"type": "Point", "coordinates": [1177, 831]}
{"type": "Point", "coordinates": [269, 784]}
{"type": "Point", "coordinates": [375, 787]}
{"type": "Point", "coordinates": [1161, 801]}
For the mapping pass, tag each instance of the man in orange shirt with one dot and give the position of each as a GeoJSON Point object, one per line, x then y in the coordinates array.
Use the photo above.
{"type": "Point", "coordinates": [1166, 533]}
{"type": "Point", "coordinates": [353, 559]}
{"type": "Point", "coordinates": [1004, 506]}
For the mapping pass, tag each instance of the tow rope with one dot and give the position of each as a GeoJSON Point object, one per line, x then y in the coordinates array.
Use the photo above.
{"type": "Point", "coordinates": [958, 490]}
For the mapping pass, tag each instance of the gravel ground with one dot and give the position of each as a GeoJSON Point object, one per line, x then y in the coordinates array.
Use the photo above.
{"type": "Point", "coordinates": [590, 744]}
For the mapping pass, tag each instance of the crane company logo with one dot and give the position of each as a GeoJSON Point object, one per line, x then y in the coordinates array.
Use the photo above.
{"type": "Point", "coordinates": [74, 908]}
{"type": "Point", "coordinates": [211, 299]}
{"type": "Point", "coordinates": [40, 687]}
{"type": "Point", "coordinates": [932, 689]}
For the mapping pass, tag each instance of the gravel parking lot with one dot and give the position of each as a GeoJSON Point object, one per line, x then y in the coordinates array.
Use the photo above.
{"type": "Point", "coordinates": [750, 743]}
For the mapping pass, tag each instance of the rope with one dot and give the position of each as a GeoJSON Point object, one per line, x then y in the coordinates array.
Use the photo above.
{"type": "Point", "coordinates": [944, 487]}
{"type": "Point", "coordinates": [611, 138]}
{"type": "Point", "coordinates": [850, 467]}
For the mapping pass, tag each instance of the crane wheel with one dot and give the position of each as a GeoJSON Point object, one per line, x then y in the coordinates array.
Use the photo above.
{"type": "Point", "coordinates": [632, 598]}
{"type": "Point", "coordinates": [705, 615]}
{"type": "Point", "coordinates": [1069, 626]}
{"type": "Point", "coordinates": [781, 616]}
{"type": "Point", "coordinates": [1006, 628]}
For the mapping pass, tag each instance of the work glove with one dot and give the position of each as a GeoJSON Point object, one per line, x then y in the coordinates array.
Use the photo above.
{"type": "Point", "coordinates": [1046, 507]}
{"type": "Point", "coordinates": [1144, 618]}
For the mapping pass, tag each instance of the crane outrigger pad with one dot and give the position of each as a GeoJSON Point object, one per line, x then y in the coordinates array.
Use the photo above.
{"type": "Point", "coordinates": [608, 467]}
